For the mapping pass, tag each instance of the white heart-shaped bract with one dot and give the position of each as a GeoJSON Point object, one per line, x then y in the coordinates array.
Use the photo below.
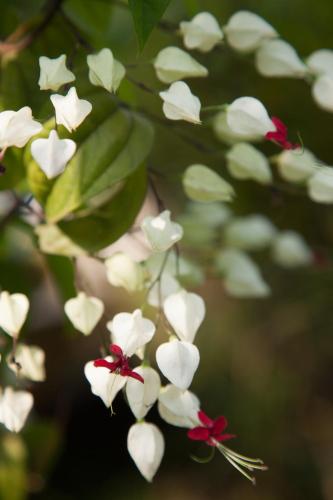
{"type": "Point", "coordinates": [178, 407]}
{"type": "Point", "coordinates": [172, 64]}
{"type": "Point", "coordinates": [52, 154]}
{"type": "Point", "coordinates": [225, 134]}
{"type": "Point", "coordinates": [290, 250]}
{"type": "Point", "coordinates": [123, 271]}
{"type": "Point", "coordinates": [104, 384]}
{"type": "Point", "coordinates": [162, 289]}
{"type": "Point", "coordinates": [202, 32]}
{"type": "Point", "coordinates": [205, 185]}
{"type": "Point", "coordinates": [84, 312]}
{"type": "Point", "coordinates": [322, 92]}
{"type": "Point", "coordinates": [185, 312]}
{"type": "Point", "coordinates": [247, 115]}
{"type": "Point", "coordinates": [252, 232]}
{"type": "Point", "coordinates": [320, 62]}
{"type": "Point", "coordinates": [105, 71]}
{"type": "Point", "coordinates": [245, 31]}
{"type": "Point", "coordinates": [141, 397]}
{"type": "Point", "coordinates": [244, 161]}
{"type": "Point", "coordinates": [277, 58]}
{"type": "Point", "coordinates": [180, 104]}
{"type": "Point", "coordinates": [178, 361]}
{"type": "Point", "coordinates": [15, 407]}
{"type": "Point", "coordinates": [131, 331]}
{"type": "Point", "coordinates": [13, 312]}
{"type": "Point", "coordinates": [294, 166]}
{"type": "Point", "coordinates": [161, 232]}
{"type": "Point", "coordinates": [17, 127]}
{"type": "Point", "coordinates": [145, 444]}
{"type": "Point", "coordinates": [320, 185]}
{"type": "Point", "coordinates": [54, 73]}
{"type": "Point", "coordinates": [29, 362]}
{"type": "Point", "coordinates": [70, 111]}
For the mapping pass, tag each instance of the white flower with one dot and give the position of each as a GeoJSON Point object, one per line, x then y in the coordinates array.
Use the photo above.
{"type": "Point", "coordinates": [70, 110]}
{"type": "Point", "coordinates": [52, 154]}
{"type": "Point", "coordinates": [322, 91]}
{"type": "Point", "coordinates": [290, 250]}
{"type": "Point", "coordinates": [162, 289]}
{"type": "Point", "coordinates": [54, 73]}
{"type": "Point", "coordinates": [161, 232]}
{"type": "Point", "coordinates": [15, 407]}
{"type": "Point", "coordinates": [84, 312]}
{"type": "Point", "coordinates": [17, 127]}
{"type": "Point", "coordinates": [245, 162]}
{"type": "Point", "coordinates": [145, 444]}
{"type": "Point", "coordinates": [278, 58]}
{"type": "Point", "coordinates": [105, 71]}
{"type": "Point", "coordinates": [29, 362]}
{"type": "Point", "coordinates": [180, 104]}
{"type": "Point", "coordinates": [178, 361]}
{"type": "Point", "coordinates": [202, 32]}
{"type": "Point", "coordinates": [320, 186]}
{"type": "Point", "coordinates": [104, 384]}
{"type": "Point", "coordinates": [224, 133]}
{"type": "Point", "coordinates": [320, 62]}
{"type": "Point", "coordinates": [172, 64]}
{"type": "Point", "coordinates": [242, 276]}
{"type": "Point", "coordinates": [123, 271]}
{"type": "Point", "coordinates": [141, 397]}
{"type": "Point", "coordinates": [178, 407]}
{"type": "Point", "coordinates": [245, 31]}
{"type": "Point", "coordinates": [131, 331]}
{"type": "Point", "coordinates": [253, 232]}
{"type": "Point", "coordinates": [296, 166]}
{"type": "Point", "coordinates": [185, 312]}
{"type": "Point", "coordinates": [13, 312]}
{"type": "Point", "coordinates": [204, 184]}
{"type": "Point", "coordinates": [247, 115]}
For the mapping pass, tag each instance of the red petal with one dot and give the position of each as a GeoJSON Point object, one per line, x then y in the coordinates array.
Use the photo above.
{"type": "Point", "coordinates": [204, 419]}
{"type": "Point", "coordinates": [219, 425]}
{"type": "Point", "coordinates": [130, 373]}
{"type": "Point", "coordinates": [224, 437]}
{"type": "Point", "coordinates": [198, 434]}
{"type": "Point", "coordinates": [115, 349]}
{"type": "Point", "coordinates": [104, 364]}
{"type": "Point", "coordinates": [280, 126]}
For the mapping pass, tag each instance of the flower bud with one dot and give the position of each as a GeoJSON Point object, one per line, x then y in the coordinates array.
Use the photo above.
{"type": "Point", "coordinates": [290, 250]}
{"type": "Point", "coordinates": [17, 128]}
{"type": "Point", "coordinates": [322, 91]}
{"type": "Point", "coordinates": [104, 384]}
{"type": "Point", "coordinates": [52, 154]}
{"type": "Point", "coordinates": [202, 32]}
{"type": "Point", "coordinates": [84, 312]}
{"type": "Point", "coordinates": [13, 312]}
{"type": "Point", "coordinates": [178, 361]}
{"type": "Point", "coordinates": [54, 73]}
{"type": "Point", "coordinates": [172, 64]}
{"type": "Point", "coordinates": [141, 397]}
{"type": "Point", "coordinates": [320, 62]}
{"type": "Point", "coordinates": [145, 444]}
{"type": "Point", "coordinates": [15, 407]}
{"type": "Point", "coordinates": [203, 184]}
{"type": "Point", "coordinates": [253, 232]}
{"type": "Point", "coordinates": [294, 166]}
{"type": "Point", "coordinates": [70, 111]}
{"type": "Point", "coordinates": [105, 71]}
{"type": "Point", "coordinates": [29, 362]}
{"type": "Point", "coordinates": [245, 31]}
{"type": "Point", "coordinates": [247, 115]}
{"type": "Point", "coordinates": [123, 271]}
{"type": "Point", "coordinates": [180, 103]}
{"type": "Point", "coordinates": [161, 232]}
{"type": "Point", "coordinates": [277, 58]}
{"type": "Point", "coordinates": [245, 162]}
{"type": "Point", "coordinates": [320, 185]}
{"type": "Point", "coordinates": [185, 312]}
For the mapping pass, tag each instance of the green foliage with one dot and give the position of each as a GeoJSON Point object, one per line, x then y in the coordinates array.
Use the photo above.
{"type": "Point", "coordinates": [146, 14]}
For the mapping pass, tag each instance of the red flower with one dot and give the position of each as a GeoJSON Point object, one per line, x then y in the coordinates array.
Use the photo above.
{"type": "Point", "coordinates": [280, 135]}
{"type": "Point", "coordinates": [211, 430]}
{"type": "Point", "coordinates": [120, 366]}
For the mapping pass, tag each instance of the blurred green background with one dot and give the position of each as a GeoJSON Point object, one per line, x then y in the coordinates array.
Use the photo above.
{"type": "Point", "coordinates": [265, 364]}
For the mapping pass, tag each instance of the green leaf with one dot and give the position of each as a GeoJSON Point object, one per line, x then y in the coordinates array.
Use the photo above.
{"type": "Point", "coordinates": [110, 221]}
{"type": "Point", "coordinates": [146, 14]}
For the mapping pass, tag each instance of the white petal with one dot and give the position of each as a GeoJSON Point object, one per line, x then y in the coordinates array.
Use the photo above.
{"type": "Point", "coordinates": [84, 312]}
{"type": "Point", "coordinates": [202, 32]}
{"type": "Point", "coordinates": [131, 331]}
{"type": "Point", "coordinates": [294, 166]}
{"type": "Point", "coordinates": [290, 250]}
{"type": "Point", "coordinates": [320, 185]}
{"type": "Point", "coordinates": [54, 73]}
{"type": "Point", "coordinates": [277, 58]}
{"type": "Point", "coordinates": [172, 64]}
{"type": "Point", "coordinates": [105, 71]}
{"type": "Point", "coordinates": [178, 407]}
{"type": "Point", "coordinates": [123, 271]}
{"type": "Point", "coordinates": [225, 134]}
{"type": "Point", "coordinates": [322, 91]}
{"type": "Point", "coordinates": [52, 154]}
{"type": "Point", "coordinates": [320, 62]}
{"type": "Point", "coordinates": [247, 115]}
{"type": "Point", "coordinates": [180, 103]}
{"type": "Point", "coordinates": [160, 232]}
{"type": "Point", "coordinates": [13, 312]}
{"type": "Point", "coordinates": [15, 407]}
{"type": "Point", "coordinates": [141, 397]}
{"type": "Point", "coordinates": [70, 110]}
{"type": "Point", "coordinates": [161, 290]}
{"type": "Point", "coordinates": [253, 232]}
{"type": "Point", "coordinates": [178, 361]}
{"type": "Point", "coordinates": [245, 31]}
{"type": "Point", "coordinates": [205, 185]}
{"type": "Point", "coordinates": [104, 384]}
{"type": "Point", "coordinates": [246, 162]}
{"type": "Point", "coordinates": [31, 361]}
{"type": "Point", "coordinates": [145, 444]}
{"type": "Point", "coordinates": [185, 312]}
{"type": "Point", "coordinates": [17, 127]}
